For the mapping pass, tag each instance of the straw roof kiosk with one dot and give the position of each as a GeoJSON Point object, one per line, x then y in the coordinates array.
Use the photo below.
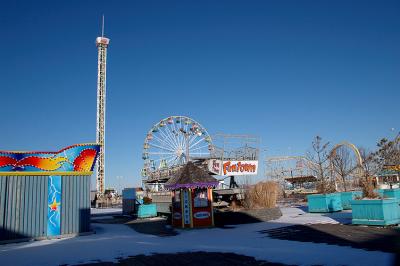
{"type": "Point", "coordinates": [192, 197]}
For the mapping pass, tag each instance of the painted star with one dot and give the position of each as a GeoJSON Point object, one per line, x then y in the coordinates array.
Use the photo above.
{"type": "Point", "coordinates": [54, 205]}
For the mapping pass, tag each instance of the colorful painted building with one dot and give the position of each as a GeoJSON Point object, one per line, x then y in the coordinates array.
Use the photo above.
{"type": "Point", "coordinates": [45, 194]}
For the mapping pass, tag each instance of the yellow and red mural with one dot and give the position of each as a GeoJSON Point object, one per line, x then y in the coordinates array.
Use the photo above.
{"type": "Point", "coordinates": [76, 158]}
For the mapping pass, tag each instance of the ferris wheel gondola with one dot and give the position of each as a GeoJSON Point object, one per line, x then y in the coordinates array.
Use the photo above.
{"type": "Point", "coordinates": [172, 142]}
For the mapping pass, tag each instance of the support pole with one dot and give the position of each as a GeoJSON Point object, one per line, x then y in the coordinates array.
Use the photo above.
{"type": "Point", "coordinates": [212, 207]}
{"type": "Point", "coordinates": [191, 207]}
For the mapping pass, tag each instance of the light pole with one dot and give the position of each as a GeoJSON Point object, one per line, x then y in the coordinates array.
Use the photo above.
{"type": "Point", "coordinates": [119, 178]}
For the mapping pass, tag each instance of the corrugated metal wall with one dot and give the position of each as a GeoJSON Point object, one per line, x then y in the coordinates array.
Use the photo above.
{"type": "Point", "coordinates": [24, 206]}
{"type": "Point", "coordinates": [75, 210]}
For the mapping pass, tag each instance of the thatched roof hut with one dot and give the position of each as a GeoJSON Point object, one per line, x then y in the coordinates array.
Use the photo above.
{"type": "Point", "coordinates": [191, 176]}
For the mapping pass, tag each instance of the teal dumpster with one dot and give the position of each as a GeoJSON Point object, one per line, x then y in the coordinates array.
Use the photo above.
{"type": "Point", "coordinates": [324, 202]}
{"type": "Point", "coordinates": [347, 196]}
{"type": "Point", "coordinates": [376, 211]}
{"type": "Point", "coordinates": [392, 193]}
{"type": "Point", "coordinates": [147, 210]}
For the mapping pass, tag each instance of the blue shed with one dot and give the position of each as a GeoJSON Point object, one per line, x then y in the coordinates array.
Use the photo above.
{"type": "Point", "coordinates": [45, 194]}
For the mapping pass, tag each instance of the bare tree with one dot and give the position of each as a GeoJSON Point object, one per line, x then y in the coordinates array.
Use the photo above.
{"type": "Point", "coordinates": [343, 164]}
{"type": "Point", "coordinates": [370, 168]}
{"type": "Point", "coordinates": [388, 152]}
{"type": "Point", "coordinates": [369, 162]}
{"type": "Point", "coordinates": [319, 164]}
{"type": "Point", "coordinates": [387, 156]}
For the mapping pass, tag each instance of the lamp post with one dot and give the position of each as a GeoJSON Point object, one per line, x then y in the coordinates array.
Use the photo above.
{"type": "Point", "coordinates": [119, 178]}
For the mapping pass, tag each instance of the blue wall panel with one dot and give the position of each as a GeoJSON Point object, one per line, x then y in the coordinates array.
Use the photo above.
{"type": "Point", "coordinates": [54, 206]}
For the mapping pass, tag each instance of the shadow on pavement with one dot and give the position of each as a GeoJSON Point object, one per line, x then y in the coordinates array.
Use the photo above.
{"type": "Point", "coordinates": [368, 238]}
{"type": "Point", "coordinates": [343, 217]}
{"type": "Point", "coordinates": [158, 227]}
{"type": "Point", "coordinates": [190, 258]}
{"type": "Point", "coordinates": [224, 218]}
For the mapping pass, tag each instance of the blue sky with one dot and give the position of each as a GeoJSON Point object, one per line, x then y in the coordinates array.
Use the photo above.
{"type": "Point", "coordinates": [283, 70]}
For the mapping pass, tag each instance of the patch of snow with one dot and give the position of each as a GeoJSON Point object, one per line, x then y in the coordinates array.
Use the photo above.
{"type": "Point", "coordinates": [299, 216]}
{"type": "Point", "coordinates": [116, 240]}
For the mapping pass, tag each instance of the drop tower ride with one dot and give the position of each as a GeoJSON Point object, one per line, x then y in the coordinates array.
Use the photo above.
{"type": "Point", "coordinates": [102, 45]}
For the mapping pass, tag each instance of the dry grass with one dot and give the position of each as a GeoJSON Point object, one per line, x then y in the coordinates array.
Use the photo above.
{"type": "Point", "coordinates": [368, 188]}
{"type": "Point", "coordinates": [262, 195]}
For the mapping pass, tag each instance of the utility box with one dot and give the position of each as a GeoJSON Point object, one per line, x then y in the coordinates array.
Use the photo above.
{"type": "Point", "coordinates": [129, 204]}
{"type": "Point", "coordinates": [129, 193]}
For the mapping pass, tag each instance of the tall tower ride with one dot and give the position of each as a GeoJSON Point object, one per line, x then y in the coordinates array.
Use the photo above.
{"type": "Point", "coordinates": [102, 44]}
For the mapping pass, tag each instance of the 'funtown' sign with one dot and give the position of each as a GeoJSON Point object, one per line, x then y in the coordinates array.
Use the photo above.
{"type": "Point", "coordinates": [233, 168]}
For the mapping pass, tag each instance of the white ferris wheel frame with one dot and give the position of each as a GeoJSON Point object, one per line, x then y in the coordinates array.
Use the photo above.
{"type": "Point", "coordinates": [168, 142]}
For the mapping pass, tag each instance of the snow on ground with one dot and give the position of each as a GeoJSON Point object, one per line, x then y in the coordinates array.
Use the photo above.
{"type": "Point", "coordinates": [116, 240]}
{"type": "Point", "coordinates": [300, 216]}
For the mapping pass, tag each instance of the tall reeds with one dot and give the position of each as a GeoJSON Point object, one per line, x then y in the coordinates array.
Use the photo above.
{"type": "Point", "coordinates": [261, 195]}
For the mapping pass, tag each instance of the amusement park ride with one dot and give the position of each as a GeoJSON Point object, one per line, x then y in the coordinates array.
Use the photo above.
{"type": "Point", "coordinates": [299, 171]}
{"type": "Point", "coordinates": [175, 140]}
{"type": "Point", "coordinates": [291, 169]}
{"type": "Point", "coordinates": [102, 45]}
{"type": "Point", "coordinates": [172, 142]}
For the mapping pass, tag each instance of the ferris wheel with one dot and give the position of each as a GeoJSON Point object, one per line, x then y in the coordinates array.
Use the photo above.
{"type": "Point", "coordinates": [172, 142]}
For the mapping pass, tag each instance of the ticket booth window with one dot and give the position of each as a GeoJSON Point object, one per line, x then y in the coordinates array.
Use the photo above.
{"type": "Point", "coordinates": [177, 199]}
{"type": "Point", "coordinates": [201, 198]}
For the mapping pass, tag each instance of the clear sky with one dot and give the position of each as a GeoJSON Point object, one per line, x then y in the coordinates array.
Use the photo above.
{"type": "Point", "coordinates": [283, 70]}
